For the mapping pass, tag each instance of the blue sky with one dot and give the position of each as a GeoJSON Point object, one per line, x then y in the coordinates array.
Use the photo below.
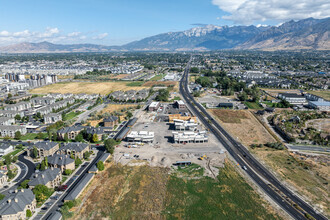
{"type": "Point", "coordinates": [115, 22]}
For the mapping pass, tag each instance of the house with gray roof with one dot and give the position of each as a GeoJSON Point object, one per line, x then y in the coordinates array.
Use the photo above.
{"type": "Point", "coordinates": [61, 161]}
{"type": "Point", "coordinates": [18, 106]}
{"type": "Point", "coordinates": [14, 206]}
{"type": "Point", "coordinates": [42, 101]}
{"type": "Point", "coordinates": [75, 148]}
{"type": "Point", "coordinates": [44, 148]}
{"type": "Point", "coordinates": [72, 132]}
{"type": "Point", "coordinates": [98, 131]}
{"type": "Point", "coordinates": [52, 118]}
{"type": "Point", "coordinates": [110, 121]}
{"type": "Point", "coordinates": [3, 178]}
{"type": "Point", "coordinates": [51, 178]}
{"type": "Point", "coordinates": [7, 121]}
{"type": "Point", "coordinates": [10, 130]}
{"type": "Point", "coordinates": [5, 148]}
{"type": "Point", "coordinates": [11, 114]}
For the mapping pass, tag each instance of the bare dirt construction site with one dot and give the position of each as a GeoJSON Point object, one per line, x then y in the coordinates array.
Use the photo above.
{"type": "Point", "coordinates": [163, 152]}
{"type": "Point", "coordinates": [308, 176]}
{"type": "Point", "coordinates": [102, 88]}
{"type": "Point", "coordinates": [320, 124]}
{"type": "Point", "coordinates": [243, 125]}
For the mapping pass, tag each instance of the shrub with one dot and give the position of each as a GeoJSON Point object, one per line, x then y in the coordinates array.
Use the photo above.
{"type": "Point", "coordinates": [28, 213]}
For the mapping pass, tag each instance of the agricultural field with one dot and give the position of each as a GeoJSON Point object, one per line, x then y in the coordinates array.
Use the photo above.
{"type": "Point", "coordinates": [102, 88]}
{"type": "Point", "coordinates": [143, 192]}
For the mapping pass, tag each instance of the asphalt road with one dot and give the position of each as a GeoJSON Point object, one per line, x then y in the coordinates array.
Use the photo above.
{"type": "Point", "coordinates": [83, 116]}
{"type": "Point", "coordinates": [72, 183]}
{"type": "Point", "coordinates": [261, 176]}
{"type": "Point", "coordinates": [27, 169]}
{"type": "Point", "coordinates": [308, 148]}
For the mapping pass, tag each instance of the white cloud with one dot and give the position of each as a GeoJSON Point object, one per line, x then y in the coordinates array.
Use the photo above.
{"type": "Point", "coordinates": [101, 36]}
{"type": "Point", "coordinates": [249, 11]}
{"type": "Point", "coordinates": [53, 35]}
{"type": "Point", "coordinates": [74, 34]}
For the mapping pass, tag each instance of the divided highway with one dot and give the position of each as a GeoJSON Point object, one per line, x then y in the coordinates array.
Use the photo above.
{"type": "Point", "coordinates": [292, 204]}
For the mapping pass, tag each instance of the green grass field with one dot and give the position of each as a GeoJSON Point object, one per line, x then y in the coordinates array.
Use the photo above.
{"type": "Point", "coordinates": [157, 77]}
{"type": "Point", "coordinates": [32, 136]}
{"type": "Point", "coordinates": [252, 105]}
{"type": "Point", "coordinates": [134, 84]}
{"type": "Point", "coordinates": [71, 115]}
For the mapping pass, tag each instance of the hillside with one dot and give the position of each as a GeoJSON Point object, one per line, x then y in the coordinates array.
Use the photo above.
{"type": "Point", "coordinates": [312, 34]}
{"type": "Point", "coordinates": [304, 34]}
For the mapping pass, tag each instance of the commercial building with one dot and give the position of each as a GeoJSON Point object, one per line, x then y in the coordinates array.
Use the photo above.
{"type": "Point", "coordinates": [15, 205]}
{"type": "Point", "coordinates": [51, 178]}
{"type": "Point", "coordinates": [190, 137]}
{"type": "Point", "coordinates": [293, 98]}
{"type": "Point", "coordinates": [185, 125]}
{"type": "Point", "coordinates": [172, 117]}
{"type": "Point", "coordinates": [153, 106]}
{"type": "Point", "coordinates": [141, 136]}
{"type": "Point", "coordinates": [320, 105]}
{"type": "Point", "coordinates": [180, 105]}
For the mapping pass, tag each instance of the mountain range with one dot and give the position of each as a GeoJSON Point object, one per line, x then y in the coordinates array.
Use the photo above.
{"type": "Point", "coordinates": [312, 34]}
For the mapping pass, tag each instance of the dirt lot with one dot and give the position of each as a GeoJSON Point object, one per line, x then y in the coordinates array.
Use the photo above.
{"type": "Point", "coordinates": [320, 124]}
{"type": "Point", "coordinates": [243, 125]}
{"type": "Point", "coordinates": [113, 107]}
{"type": "Point", "coordinates": [163, 152]}
{"type": "Point", "coordinates": [103, 88]}
{"type": "Point", "coordinates": [110, 109]}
